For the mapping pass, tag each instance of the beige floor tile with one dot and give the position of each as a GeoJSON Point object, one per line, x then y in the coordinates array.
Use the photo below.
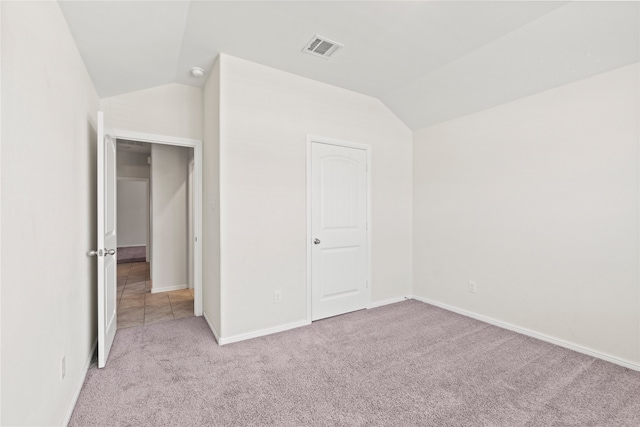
{"type": "Point", "coordinates": [182, 314]}
{"type": "Point", "coordinates": [131, 301]}
{"type": "Point", "coordinates": [130, 317]}
{"type": "Point", "coordinates": [135, 278]}
{"type": "Point", "coordinates": [138, 306]}
{"type": "Point", "coordinates": [135, 288]}
{"type": "Point", "coordinates": [180, 295]}
{"type": "Point", "coordinates": [182, 305]}
{"type": "Point", "coordinates": [155, 314]}
{"type": "Point", "coordinates": [131, 313]}
{"type": "Point", "coordinates": [139, 275]}
{"type": "Point", "coordinates": [182, 309]}
{"type": "Point", "coordinates": [192, 293]}
{"type": "Point", "coordinates": [157, 299]}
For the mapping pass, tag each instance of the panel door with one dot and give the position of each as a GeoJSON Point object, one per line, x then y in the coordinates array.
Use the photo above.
{"type": "Point", "coordinates": [339, 230]}
{"type": "Point", "coordinates": [107, 241]}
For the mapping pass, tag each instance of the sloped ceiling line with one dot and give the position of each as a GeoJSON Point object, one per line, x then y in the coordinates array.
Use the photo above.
{"type": "Point", "coordinates": [427, 61]}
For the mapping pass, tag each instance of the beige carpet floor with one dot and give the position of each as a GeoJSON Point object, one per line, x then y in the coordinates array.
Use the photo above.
{"type": "Point", "coordinates": [405, 364]}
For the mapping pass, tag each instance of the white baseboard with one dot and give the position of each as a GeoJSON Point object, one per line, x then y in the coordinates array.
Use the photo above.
{"type": "Point", "coordinates": [262, 332]}
{"type": "Point", "coordinates": [216, 334]}
{"type": "Point", "coordinates": [168, 288]}
{"type": "Point", "coordinates": [131, 246]}
{"type": "Point", "coordinates": [533, 334]}
{"type": "Point", "coordinates": [78, 388]}
{"type": "Point", "coordinates": [388, 301]}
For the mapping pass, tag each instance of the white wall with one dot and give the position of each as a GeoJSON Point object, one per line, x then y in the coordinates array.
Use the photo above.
{"type": "Point", "coordinates": [133, 213]}
{"type": "Point", "coordinates": [169, 171]}
{"type": "Point", "coordinates": [265, 117]}
{"type": "Point", "coordinates": [48, 214]}
{"type": "Point", "coordinates": [170, 110]}
{"type": "Point", "coordinates": [537, 201]}
{"type": "Point", "coordinates": [211, 200]}
{"type": "Point", "coordinates": [132, 165]}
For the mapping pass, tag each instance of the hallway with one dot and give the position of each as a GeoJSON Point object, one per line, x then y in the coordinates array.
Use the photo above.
{"type": "Point", "coordinates": [137, 306]}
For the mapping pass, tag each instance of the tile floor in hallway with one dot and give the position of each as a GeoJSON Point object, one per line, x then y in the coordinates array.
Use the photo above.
{"type": "Point", "coordinates": [137, 306]}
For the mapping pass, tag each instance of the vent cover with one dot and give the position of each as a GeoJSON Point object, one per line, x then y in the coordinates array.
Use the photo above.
{"type": "Point", "coordinates": [323, 47]}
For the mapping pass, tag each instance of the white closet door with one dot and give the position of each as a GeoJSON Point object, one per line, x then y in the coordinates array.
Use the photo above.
{"type": "Point", "coordinates": [339, 230]}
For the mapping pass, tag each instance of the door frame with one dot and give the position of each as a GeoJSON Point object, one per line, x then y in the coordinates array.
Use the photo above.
{"type": "Point", "coordinates": [314, 139]}
{"type": "Point", "coordinates": [196, 144]}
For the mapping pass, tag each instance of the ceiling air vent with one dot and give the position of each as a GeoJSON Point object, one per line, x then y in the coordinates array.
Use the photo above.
{"type": "Point", "coordinates": [320, 46]}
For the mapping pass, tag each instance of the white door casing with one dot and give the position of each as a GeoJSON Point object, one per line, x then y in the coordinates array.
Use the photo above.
{"type": "Point", "coordinates": [339, 228]}
{"type": "Point", "coordinates": [107, 241]}
{"type": "Point", "coordinates": [196, 144]}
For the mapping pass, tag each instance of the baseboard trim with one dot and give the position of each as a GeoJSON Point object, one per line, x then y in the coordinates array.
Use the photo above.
{"type": "Point", "coordinates": [216, 335]}
{"type": "Point", "coordinates": [168, 288]}
{"type": "Point", "coordinates": [132, 246]}
{"type": "Point", "coordinates": [388, 301]}
{"type": "Point", "coordinates": [262, 332]}
{"type": "Point", "coordinates": [78, 388]}
{"type": "Point", "coordinates": [533, 334]}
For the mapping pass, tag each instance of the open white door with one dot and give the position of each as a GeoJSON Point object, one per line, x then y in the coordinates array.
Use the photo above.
{"type": "Point", "coordinates": [106, 253]}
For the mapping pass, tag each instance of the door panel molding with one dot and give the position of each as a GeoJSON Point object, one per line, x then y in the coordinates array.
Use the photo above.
{"type": "Point", "coordinates": [314, 139]}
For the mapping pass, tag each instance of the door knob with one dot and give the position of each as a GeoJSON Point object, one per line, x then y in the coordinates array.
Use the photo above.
{"type": "Point", "coordinates": [316, 241]}
{"type": "Point", "coordinates": [101, 252]}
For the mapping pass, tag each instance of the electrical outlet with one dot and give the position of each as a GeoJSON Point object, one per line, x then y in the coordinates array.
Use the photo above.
{"type": "Point", "coordinates": [277, 297]}
{"type": "Point", "coordinates": [473, 287]}
{"type": "Point", "coordinates": [63, 367]}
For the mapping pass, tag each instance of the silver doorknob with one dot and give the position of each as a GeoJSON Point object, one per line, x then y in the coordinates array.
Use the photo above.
{"type": "Point", "coordinates": [109, 251]}
{"type": "Point", "coordinates": [93, 253]}
{"type": "Point", "coordinates": [316, 241]}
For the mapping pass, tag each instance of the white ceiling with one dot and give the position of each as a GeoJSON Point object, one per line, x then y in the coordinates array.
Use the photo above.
{"type": "Point", "coordinates": [427, 61]}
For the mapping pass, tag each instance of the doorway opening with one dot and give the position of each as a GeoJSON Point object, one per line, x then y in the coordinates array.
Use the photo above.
{"type": "Point", "coordinates": [158, 258]}
{"type": "Point", "coordinates": [154, 225]}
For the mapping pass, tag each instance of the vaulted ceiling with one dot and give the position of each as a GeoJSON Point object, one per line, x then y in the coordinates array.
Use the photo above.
{"type": "Point", "coordinates": [427, 61]}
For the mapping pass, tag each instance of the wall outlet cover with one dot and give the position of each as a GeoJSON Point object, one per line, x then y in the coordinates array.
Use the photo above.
{"type": "Point", "coordinates": [473, 286]}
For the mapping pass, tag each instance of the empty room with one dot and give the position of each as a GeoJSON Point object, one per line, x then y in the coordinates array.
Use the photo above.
{"type": "Point", "coordinates": [389, 213]}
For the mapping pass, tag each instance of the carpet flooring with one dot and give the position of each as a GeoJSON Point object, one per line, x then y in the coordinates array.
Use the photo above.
{"type": "Point", "coordinates": [404, 364]}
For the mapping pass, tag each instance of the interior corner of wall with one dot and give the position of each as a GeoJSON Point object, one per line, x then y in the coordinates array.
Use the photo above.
{"type": "Point", "coordinates": [395, 116]}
